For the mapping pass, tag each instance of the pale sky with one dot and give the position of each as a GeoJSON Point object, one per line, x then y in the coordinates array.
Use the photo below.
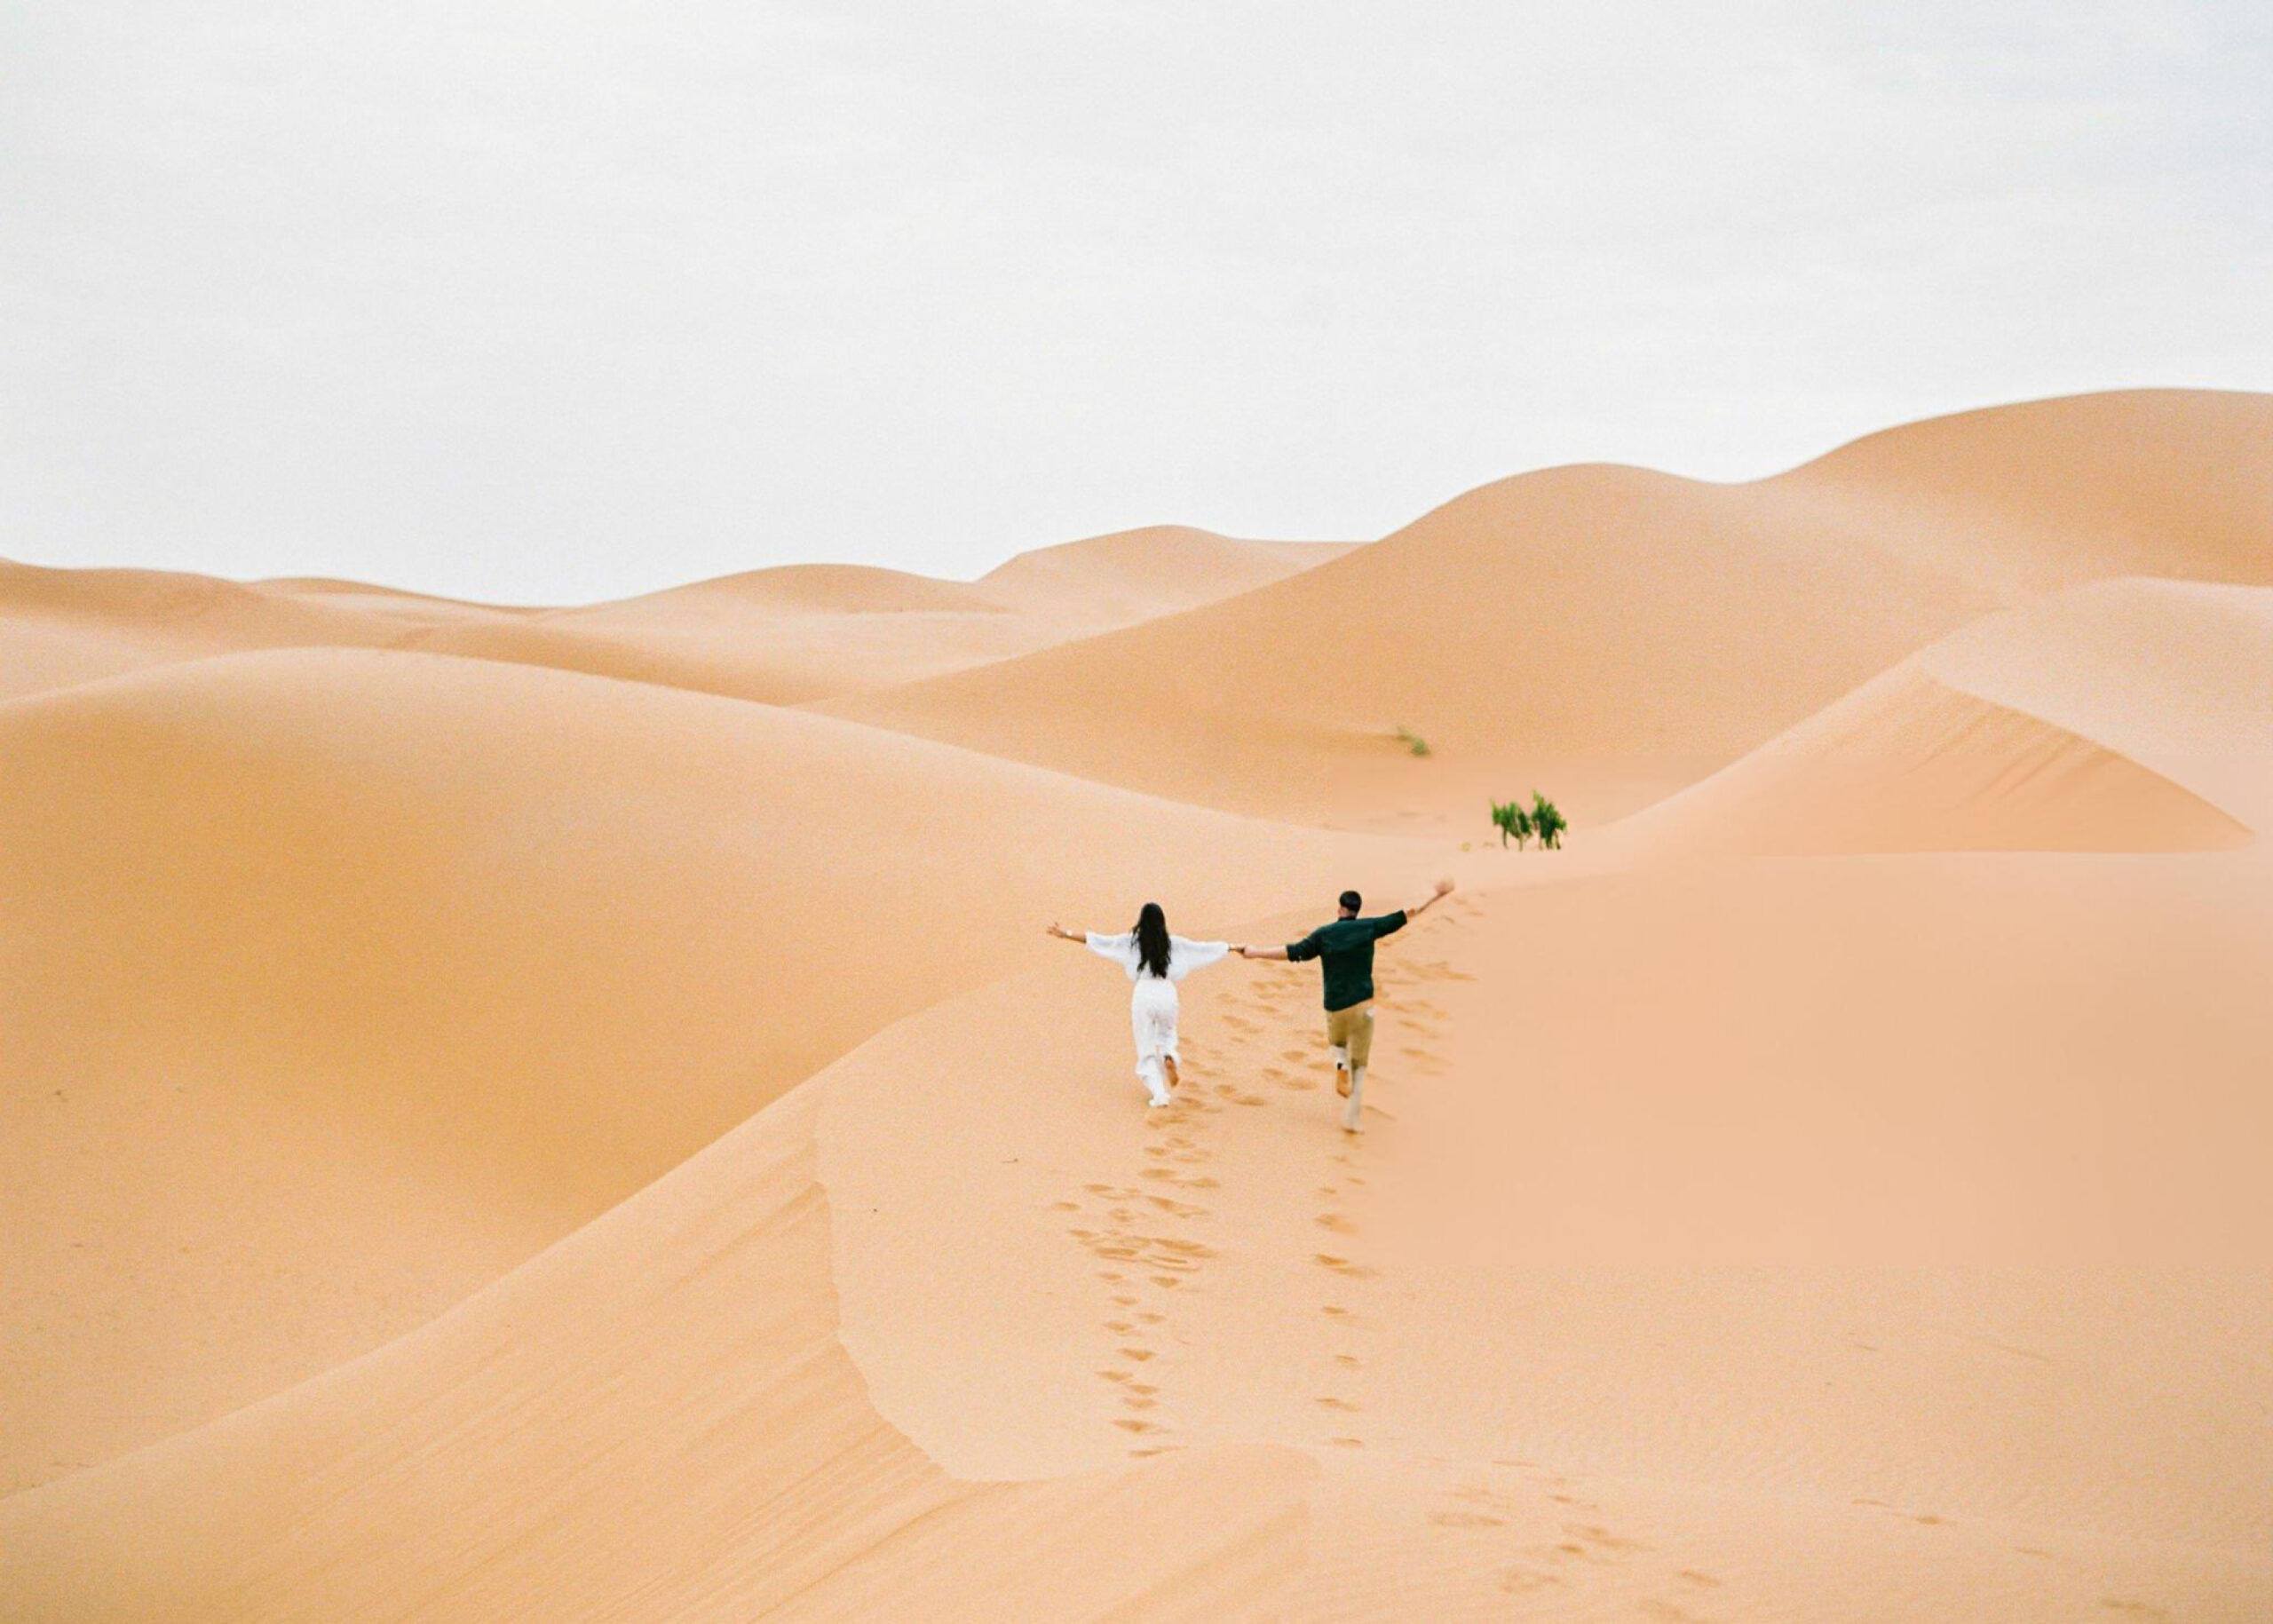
{"type": "Point", "coordinates": [555, 300]}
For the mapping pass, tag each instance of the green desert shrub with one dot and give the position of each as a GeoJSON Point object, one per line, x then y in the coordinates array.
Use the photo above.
{"type": "Point", "coordinates": [1547, 821]}
{"type": "Point", "coordinates": [1412, 742]}
{"type": "Point", "coordinates": [1510, 818]}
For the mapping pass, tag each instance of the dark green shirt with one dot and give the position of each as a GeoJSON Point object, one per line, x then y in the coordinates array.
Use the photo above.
{"type": "Point", "coordinates": [1346, 948]}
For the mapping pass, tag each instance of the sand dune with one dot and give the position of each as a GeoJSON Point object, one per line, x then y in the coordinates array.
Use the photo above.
{"type": "Point", "coordinates": [1196, 1376]}
{"type": "Point", "coordinates": [1907, 764]}
{"type": "Point", "coordinates": [805, 632]}
{"type": "Point", "coordinates": [1938, 756]}
{"type": "Point", "coordinates": [784, 635]}
{"type": "Point", "coordinates": [62, 626]}
{"type": "Point", "coordinates": [2175, 674]}
{"type": "Point", "coordinates": [390, 603]}
{"type": "Point", "coordinates": [369, 974]}
{"type": "Point", "coordinates": [632, 1152]}
{"type": "Point", "coordinates": [2139, 482]}
{"type": "Point", "coordinates": [658, 1410]}
{"type": "Point", "coordinates": [1613, 634]}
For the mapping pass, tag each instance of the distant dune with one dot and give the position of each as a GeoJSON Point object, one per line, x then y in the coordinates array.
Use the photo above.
{"type": "Point", "coordinates": [1944, 753]}
{"type": "Point", "coordinates": [784, 636]}
{"type": "Point", "coordinates": [570, 1112]}
{"type": "Point", "coordinates": [1613, 633]}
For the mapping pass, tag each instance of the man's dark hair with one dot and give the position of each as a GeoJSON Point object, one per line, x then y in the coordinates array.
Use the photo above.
{"type": "Point", "coordinates": [1351, 900]}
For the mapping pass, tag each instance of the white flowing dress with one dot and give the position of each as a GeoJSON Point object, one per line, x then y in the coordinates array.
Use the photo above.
{"type": "Point", "coordinates": [1153, 1005]}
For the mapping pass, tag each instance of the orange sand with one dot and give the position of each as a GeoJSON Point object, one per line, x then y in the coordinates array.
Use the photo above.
{"type": "Point", "coordinates": [569, 1112]}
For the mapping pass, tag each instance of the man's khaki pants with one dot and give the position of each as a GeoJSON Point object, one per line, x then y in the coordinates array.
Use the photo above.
{"type": "Point", "coordinates": [1351, 1033]}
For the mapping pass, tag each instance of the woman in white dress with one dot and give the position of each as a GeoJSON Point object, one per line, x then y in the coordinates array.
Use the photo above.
{"type": "Point", "coordinates": [1155, 961]}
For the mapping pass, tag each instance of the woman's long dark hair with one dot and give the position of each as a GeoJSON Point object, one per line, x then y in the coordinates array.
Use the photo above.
{"type": "Point", "coordinates": [1151, 935]}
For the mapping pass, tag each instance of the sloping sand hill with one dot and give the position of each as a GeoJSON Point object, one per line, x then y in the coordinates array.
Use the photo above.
{"type": "Point", "coordinates": [784, 635]}
{"type": "Point", "coordinates": [656, 1409]}
{"type": "Point", "coordinates": [661, 1410]}
{"type": "Point", "coordinates": [1609, 633]}
{"type": "Point", "coordinates": [2031, 731]}
{"type": "Point", "coordinates": [630, 1152]}
{"type": "Point", "coordinates": [369, 974]}
{"type": "Point", "coordinates": [62, 626]}
{"type": "Point", "coordinates": [807, 632]}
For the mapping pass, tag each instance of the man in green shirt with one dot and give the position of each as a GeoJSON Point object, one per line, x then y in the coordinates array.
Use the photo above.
{"type": "Point", "coordinates": [1344, 950]}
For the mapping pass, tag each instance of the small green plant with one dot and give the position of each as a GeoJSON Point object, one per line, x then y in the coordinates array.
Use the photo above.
{"type": "Point", "coordinates": [1510, 818]}
{"type": "Point", "coordinates": [1548, 822]}
{"type": "Point", "coordinates": [1412, 742]}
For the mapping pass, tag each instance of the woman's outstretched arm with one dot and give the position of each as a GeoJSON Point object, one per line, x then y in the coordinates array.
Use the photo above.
{"type": "Point", "coordinates": [1064, 935]}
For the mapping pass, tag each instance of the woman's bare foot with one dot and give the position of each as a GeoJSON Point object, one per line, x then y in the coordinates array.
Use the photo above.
{"type": "Point", "coordinates": [1167, 1064]}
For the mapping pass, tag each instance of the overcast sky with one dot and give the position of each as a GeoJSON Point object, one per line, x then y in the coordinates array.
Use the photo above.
{"type": "Point", "coordinates": [558, 300]}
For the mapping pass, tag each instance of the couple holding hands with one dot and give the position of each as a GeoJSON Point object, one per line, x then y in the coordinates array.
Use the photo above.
{"type": "Point", "coordinates": [1156, 961]}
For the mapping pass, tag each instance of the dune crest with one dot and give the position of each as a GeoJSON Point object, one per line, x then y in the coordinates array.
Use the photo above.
{"type": "Point", "coordinates": [781, 636]}
{"type": "Point", "coordinates": [1906, 764]}
{"type": "Point", "coordinates": [1937, 755]}
{"type": "Point", "coordinates": [1612, 634]}
{"type": "Point", "coordinates": [368, 974]}
{"type": "Point", "coordinates": [672, 1380]}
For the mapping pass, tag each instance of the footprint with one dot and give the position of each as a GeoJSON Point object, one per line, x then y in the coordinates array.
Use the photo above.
{"type": "Point", "coordinates": [1341, 1405]}
{"type": "Point", "coordinates": [1139, 1354]}
{"type": "Point", "coordinates": [1466, 1519]}
{"type": "Point", "coordinates": [1520, 1580]}
{"type": "Point", "coordinates": [1344, 1266]}
{"type": "Point", "coordinates": [1177, 1210]}
{"type": "Point", "coordinates": [1336, 1222]}
{"type": "Point", "coordinates": [1127, 1425]}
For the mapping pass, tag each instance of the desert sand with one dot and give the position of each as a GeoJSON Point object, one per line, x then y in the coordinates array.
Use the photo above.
{"type": "Point", "coordinates": [514, 1111]}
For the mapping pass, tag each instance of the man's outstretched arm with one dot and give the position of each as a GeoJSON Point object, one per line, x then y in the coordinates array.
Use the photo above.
{"type": "Point", "coordinates": [1387, 925]}
{"type": "Point", "coordinates": [1444, 889]}
{"type": "Point", "coordinates": [1262, 953]}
